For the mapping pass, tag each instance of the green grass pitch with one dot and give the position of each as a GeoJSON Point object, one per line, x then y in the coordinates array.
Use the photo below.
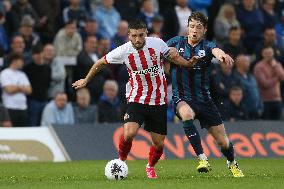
{"type": "Point", "coordinates": [173, 174]}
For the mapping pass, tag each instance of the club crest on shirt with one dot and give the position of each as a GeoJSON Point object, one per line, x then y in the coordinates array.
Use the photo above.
{"type": "Point", "coordinates": [181, 50]}
{"type": "Point", "coordinates": [201, 53]}
{"type": "Point", "coordinates": [126, 116]}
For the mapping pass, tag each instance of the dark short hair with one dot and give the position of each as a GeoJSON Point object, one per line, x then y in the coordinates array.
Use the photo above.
{"type": "Point", "coordinates": [236, 88]}
{"type": "Point", "coordinates": [269, 28]}
{"type": "Point", "coordinates": [69, 22]}
{"type": "Point", "coordinates": [267, 47]}
{"type": "Point", "coordinates": [137, 24]}
{"type": "Point", "coordinates": [38, 48]}
{"type": "Point", "coordinates": [199, 17]}
{"type": "Point", "coordinates": [15, 56]}
{"type": "Point", "coordinates": [234, 28]}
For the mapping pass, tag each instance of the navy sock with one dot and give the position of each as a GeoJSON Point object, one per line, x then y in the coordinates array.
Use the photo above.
{"type": "Point", "coordinates": [193, 136]}
{"type": "Point", "coordinates": [229, 152]}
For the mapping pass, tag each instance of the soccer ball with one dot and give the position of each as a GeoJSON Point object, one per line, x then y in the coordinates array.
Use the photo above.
{"type": "Point", "coordinates": [116, 170]}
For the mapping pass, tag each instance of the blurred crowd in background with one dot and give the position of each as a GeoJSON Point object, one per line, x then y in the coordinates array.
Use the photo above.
{"type": "Point", "coordinates": [45, 45]}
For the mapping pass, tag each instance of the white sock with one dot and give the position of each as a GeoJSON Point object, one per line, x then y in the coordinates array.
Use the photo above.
{"type": "Point", "coordinates": [202, 157]}
{"type": "Point", "coordinates": [231, 162]}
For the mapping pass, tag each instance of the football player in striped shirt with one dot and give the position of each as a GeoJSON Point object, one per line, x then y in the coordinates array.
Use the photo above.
{"type": "Point", "coordinates": [146, 90]}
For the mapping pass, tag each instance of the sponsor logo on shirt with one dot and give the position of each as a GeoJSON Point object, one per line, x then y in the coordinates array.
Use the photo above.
{"type": "Point", "coordinates": [153, 71]}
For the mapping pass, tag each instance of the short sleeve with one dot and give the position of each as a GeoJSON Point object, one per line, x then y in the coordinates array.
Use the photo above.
{"type": "Point", "coordinates": [212, 45]}
{"type": "Point", "coordinates": [116, 56]}
{"type": "Point", "coordinates": [4, 80]}
{"type": "Point", "coordinates": [25, 80]}
{"type": "Point", "coordinates": [164, 48]}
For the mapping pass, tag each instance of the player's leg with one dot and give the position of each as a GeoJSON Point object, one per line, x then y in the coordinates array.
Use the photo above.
{"type": "Point", "coordinates": [125, 142]}
{"type": "Point", "coordinates": [156, 151]}
{"type": "Point", "coordinates": [156, 124]}
{"type": "Point", "coordinates": [133, 120]}
{"type": "Point", "coordinates": [227, 149]}
{"type": "Point", "coordinates": [187, 115]}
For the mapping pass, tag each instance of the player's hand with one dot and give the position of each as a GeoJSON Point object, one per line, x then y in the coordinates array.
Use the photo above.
{"type": "Point", "coordinates": [227, 60]}
{"type": "Point", "coordinates": [173, 54]}
{"type": "Point", "coordinates": [79, 84]}
{"type": "Point", "coordinates": [193, 60]}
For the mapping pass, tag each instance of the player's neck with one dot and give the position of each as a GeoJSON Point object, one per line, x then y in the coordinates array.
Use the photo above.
{"type": "Point", "coordinates": [193, 43]}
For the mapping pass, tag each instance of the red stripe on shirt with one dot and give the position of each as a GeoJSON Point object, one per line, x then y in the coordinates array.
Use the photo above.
{"type": "Point", "coordinates": [147, 76]}
{"type": "Point", "coordinates": [131, 83]}
{"type": "Point", "coordinates": [157, 78]}
{"type": "Point", "coordinates": [132, 63]}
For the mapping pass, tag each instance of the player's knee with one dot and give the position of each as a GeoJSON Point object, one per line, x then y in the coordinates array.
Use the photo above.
{"type": "Point", "coordinates": [129, 135]}
{"type": "Point", "coordinates": [186, 116]}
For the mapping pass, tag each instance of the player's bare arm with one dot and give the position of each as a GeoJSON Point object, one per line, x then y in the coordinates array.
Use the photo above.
{"type": "Point", "coordinates": [222, 56]}
{"type": "Point", "coordinates": [93, 71]}
{"type": "Point", "coordinates": [175, 58]}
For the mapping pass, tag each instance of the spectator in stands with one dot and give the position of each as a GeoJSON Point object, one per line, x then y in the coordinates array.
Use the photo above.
{"type": "Point", "coordinates": [234, 45]}
{"type": "Point", "coordinates": [91, 28]}
{"type": "Point", "coordinates": [128, 9]}
{"type": "Point", "coordinates": [269, 73]}
{"type": "Point", "coordinates": [233, 108]}
{"type": "Point", "coordinates": [175, 15]}
{"type": "Point", "coordinates": [252, 100]}
{"type": "Point", "coordinates": [157, 26]}
{"type": "Point", "coordinates": [103, 47]}
{"type": "Point", "coordinates": [108, 19]}
{"type": "Point", "coordinates": [252, 22]}
{"type": "Point", "coordinates": [109, 104]}
{"type": "Point", "coordinates": [68, 41]}
{"type": "Point", "coordinates": [121, 36]}
{"type": "Point", "coordinates": [48, 12]}
{"type": "Point", "coordinates": [5, 120]}
{"type": "Point", "coordinates": [280, 31]}
{"type": "Point", "coordinates": [85, 60]}
{"type": "Point", "coordinates": [75, 12]}
{"type": "Point", "coordinates": [223, 81]}
{"type": "Point", "coordinates": [58, 73]}
{"type": "Point", "coordinates": [147, 12]}
{"type": "Point", "coordinates": [182, 12]}
{"type": "Point", "coordinates": [58, 111]}
{"type": "Point", "coordinates": [269, 15]}
{"type": "Point", "coordinates": [39, 75]}
{"type": "Point", "coordinates": [84, 112]}
{"type": "Point", "coordinates": [270, 39]}
{"type": "Point", "coordinates": [18, 47]}
{"type": "Point", "coordinates": [26, 30]}
{"type": "Point", "coordinates": [15, 86]}
{"type": "Point", "coordinates": [18, 11]}
{"type": "Point", "coordinates": [4, 44]}
{"type": "Point", "coordinates": [225, 20]}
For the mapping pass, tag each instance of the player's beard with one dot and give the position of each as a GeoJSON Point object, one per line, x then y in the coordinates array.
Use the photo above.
{"type": "Point", "coordinates": [138, 46]}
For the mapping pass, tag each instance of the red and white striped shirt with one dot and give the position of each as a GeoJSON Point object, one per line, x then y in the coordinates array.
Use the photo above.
{"type": "Point", "coordinates": [147, 82]}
